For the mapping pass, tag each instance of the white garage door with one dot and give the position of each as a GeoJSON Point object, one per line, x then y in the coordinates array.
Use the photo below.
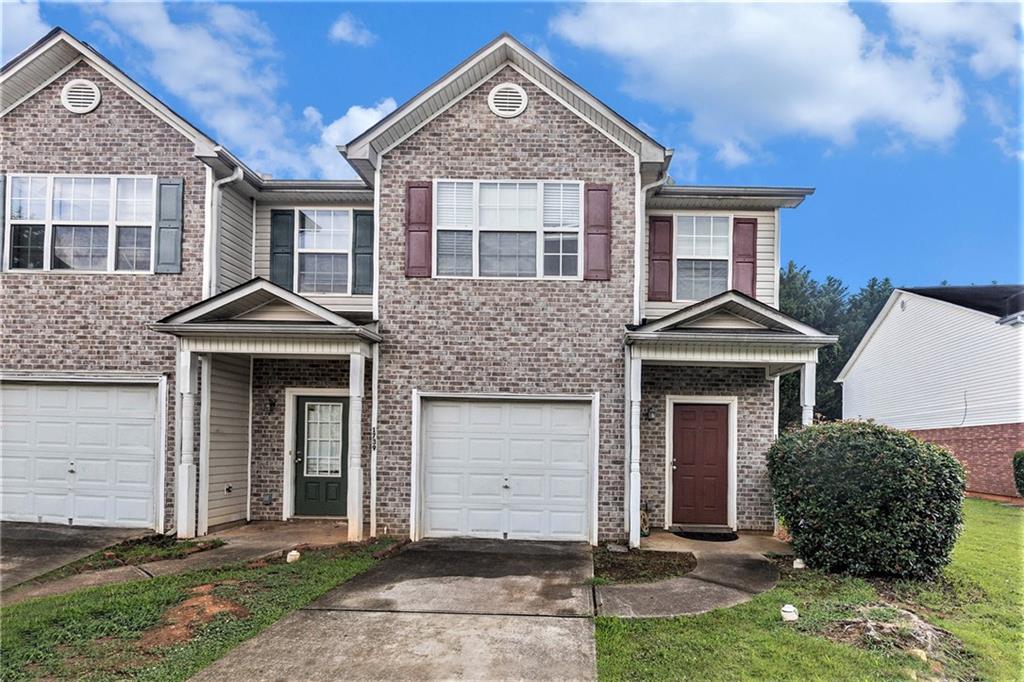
{"type": "Point", "coordinates": [517, 470]}
{"type": "Point", "coordinates": [79, 452]}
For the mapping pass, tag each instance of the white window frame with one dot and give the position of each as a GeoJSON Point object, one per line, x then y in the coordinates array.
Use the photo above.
{"type": "Point", "coordinates": [538, 229]}
{"type": "Point", "coordinates": [676, 256]}
{"type": "Point", "coordinates": [299, 250]}
{"type": "Point", "coordinates": [49, 224]}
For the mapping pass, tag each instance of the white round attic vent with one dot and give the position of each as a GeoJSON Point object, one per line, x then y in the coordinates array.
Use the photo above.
{"type": "Point", "coordinates": [507, 100]}
{"type": "Point", "coordinates": [80, 96]}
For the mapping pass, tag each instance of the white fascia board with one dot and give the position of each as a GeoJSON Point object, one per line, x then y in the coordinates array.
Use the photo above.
{"type": "Point", "coordinates": [709, 305]}
{"type": "Point", "coordinates": [882, 314]}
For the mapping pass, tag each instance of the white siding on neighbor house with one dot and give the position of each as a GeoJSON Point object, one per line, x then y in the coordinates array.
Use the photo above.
{"type": "Point", "coordinates": [342, 304]}
{"type": "Point", "coordinates": [228, 458]}
{"type": "Point", "coordinates": [931, 364]}
{"type": "Point", "coordinates": [767, 258]}
{"type": "Point", "coordinates": [234, 252]}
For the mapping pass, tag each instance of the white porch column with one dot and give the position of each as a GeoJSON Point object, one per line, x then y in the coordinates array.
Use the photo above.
{"type": "Point", "coordinates": [185, 477]}
{"type": "Point", "coordinates": [635, 374]}
{"type": "Point", "coordinates": [808, 376]}
{"type": "Point", "coordinates": [356, 372]}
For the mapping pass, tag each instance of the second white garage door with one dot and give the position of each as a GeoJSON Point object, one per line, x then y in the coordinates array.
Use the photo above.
{"type": "Point", "coordinates": [506, 469]}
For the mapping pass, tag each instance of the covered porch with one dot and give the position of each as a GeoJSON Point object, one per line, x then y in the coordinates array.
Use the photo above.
{"type": "Point", "coordinates": [702, 387]}
{"type": "Point", "coordinates": [274, 412]}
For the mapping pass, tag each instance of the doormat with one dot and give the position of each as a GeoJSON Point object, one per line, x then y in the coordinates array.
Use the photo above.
{"type": "Point", "coordinates": [707, 537]}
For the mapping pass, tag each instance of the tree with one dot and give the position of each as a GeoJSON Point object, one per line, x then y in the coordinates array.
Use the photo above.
{"type": "Point", "coordinates": [826, 306]}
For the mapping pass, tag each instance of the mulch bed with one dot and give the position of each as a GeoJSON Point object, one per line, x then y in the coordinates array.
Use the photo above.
{"type": "Point", "coordinates": [636, 566]}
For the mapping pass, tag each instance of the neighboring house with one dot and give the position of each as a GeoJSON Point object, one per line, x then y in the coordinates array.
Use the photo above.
{"type": "Point", "coordinates": [946, 364]}
{"type": "Point", "coordinates": [511, 326]}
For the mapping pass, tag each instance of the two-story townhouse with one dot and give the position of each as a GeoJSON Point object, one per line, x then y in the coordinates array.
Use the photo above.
{"type": "Point", "coordinates": [511, 326]}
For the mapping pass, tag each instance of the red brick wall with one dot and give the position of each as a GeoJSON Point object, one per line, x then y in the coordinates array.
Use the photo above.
{"type": "Point", "coordinates": [986, 452]}
{"type": "Point", "coordinates": [70, 322]}
{"type": "Point", "coordinates": [503, 336]}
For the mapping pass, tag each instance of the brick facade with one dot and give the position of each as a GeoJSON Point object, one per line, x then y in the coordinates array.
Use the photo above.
{"type": "Point", "coordinates": [270, 378]}
{"type": "Point", "coordinates": [755, 432]}
{"type": "Point", "coordinates": [68, 322]}
{"type": "Point", "coordinates": [985, 451]}
{"type": "Point", "coordinates": [526, 337]}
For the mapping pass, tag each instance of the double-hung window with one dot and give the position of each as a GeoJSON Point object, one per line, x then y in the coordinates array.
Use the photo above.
{"type": "Point", "coordinates": [324, 244]}
{"type": "Point", "coordinates": [79, 222]}
{"type": "Point", "coordinates": [513, 229]}
{"type": "Point", "coordinates": [702, 256]}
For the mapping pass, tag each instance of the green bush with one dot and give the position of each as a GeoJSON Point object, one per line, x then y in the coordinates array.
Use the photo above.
{"type": "Point", "coordinates": [1018, 471]}
{"type": "Point", "coordinates": [866, 499]}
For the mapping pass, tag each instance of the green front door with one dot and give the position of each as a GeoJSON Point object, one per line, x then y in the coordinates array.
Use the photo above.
{"type": "Point", "coordinates": [321, 456]}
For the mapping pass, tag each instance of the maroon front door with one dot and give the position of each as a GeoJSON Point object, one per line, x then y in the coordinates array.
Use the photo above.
{"type": "Point", "coordinates": [700, 460]}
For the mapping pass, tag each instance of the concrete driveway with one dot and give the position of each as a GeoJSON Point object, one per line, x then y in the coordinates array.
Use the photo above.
{"type": "Point", "coordinates": [454, 609]}
{"type": "Point", "coordinates": [28, 550]}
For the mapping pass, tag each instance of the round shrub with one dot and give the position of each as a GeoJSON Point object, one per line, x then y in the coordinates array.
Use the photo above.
{"type": "Point", "coordinates": [866, 499]}
{"type": "Point", "coordinates": [1018, 471]}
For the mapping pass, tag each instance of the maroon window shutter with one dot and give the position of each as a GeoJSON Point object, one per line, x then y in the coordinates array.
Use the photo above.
{"type": "Point", "coordinates": [744, 255]}
{"type": "Point", "coordinates": [418, 229]}
{"type": "Point", "coordinates": [659, 259]}
{"type": "Point", "coordinates": [597, 232]}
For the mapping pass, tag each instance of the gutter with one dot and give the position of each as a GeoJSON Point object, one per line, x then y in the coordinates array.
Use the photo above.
{"type": "Point", "coordinates": [262, 330]}
{"type": "Point", "coordinates": [702, 337]}
{"type": "Point", "coordinates": [638, 247]}
{"type": "Point", "coordinates": [209, 287]}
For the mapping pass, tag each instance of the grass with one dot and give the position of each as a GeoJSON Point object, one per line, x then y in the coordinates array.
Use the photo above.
{"type": "Point", "coordinates": [979, 600]}
{"type": "Point", "coordinates": [94, 634]}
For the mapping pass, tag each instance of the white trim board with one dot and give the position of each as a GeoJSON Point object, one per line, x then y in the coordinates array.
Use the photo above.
{"type": "Point", "coordinates": [291, 393]}
{"type": "Point", "coordinates": [733, 404]}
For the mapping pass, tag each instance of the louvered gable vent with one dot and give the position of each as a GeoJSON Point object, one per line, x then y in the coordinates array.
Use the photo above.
{"type": "Point", "coordinates": [507, 100]}
{"type": "Point", "coordinates": [80, 96]}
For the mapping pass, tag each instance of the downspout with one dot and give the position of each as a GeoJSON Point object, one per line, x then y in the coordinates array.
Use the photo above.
{"type": "Point", "coordinates": [638, 256]}
{"type": "Point", "coordinates": [210, 286]}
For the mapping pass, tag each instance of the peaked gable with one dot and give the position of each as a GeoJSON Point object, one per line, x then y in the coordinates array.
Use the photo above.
{"type": "Point", "coordinates": [731, 311]}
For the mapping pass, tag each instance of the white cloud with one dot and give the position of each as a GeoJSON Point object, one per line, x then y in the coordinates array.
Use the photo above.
{"type": "Point", "coordinates": [750, 72]}
{"type": "Point", "coordinates": [341, 131]}
{"type": "Point", "coordinates": [1010, 137]}
{"type": "Point", "coordinates": [987, 31]}
{"type": "Point", "coordinates": [22, 25]}
{"type": "Point", "coordinates": [684, 164]}
{"type": "Point", "coordinates": [348, 29]}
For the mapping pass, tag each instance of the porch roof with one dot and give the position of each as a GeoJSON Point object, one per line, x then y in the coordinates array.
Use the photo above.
{"type": "Point", "coordinates": [260, 309]}
{"type": "Point", "coordinates": [730, 329]}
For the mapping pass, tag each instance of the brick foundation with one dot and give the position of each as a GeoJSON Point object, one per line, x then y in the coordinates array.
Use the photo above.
{"type": "Point", "coordinates": [985, 451]}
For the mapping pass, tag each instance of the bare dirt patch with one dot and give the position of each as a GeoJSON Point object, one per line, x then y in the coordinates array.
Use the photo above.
{"type": "Point", "coordinates": [637, 566]}
{"type": "Point", "coordinates": [180, 622]}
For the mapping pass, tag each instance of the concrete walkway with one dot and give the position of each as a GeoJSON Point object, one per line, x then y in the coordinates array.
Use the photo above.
{"type": "Point", "coordinates": [721, 579]}
{"type": "Point", "coordinates": [249, 542]}
{"type": "Point", "coordinates": [29, 550]}
{"type": "Point", "coordinates": [439, 610]}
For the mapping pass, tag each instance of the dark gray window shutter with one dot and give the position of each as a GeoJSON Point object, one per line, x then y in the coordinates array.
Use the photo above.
{"type": "Point", "coordinates": [282, 248]}
{"type": "Point", "coordinates": [362, 253]}
{"type": "Point", "coordinates": [170, 207]}
{"type": "Point", "coordinates": [3, 216]}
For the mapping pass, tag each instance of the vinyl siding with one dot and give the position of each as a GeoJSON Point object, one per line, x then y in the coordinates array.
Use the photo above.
{"type": "Point", "coordinates": [228, 462]}
{"type": "Point", "coordinates": [932, 365]}
{"type": "Point", "coordinates": [767, 264]}
{"type": "Point", "coordinates": [234, 252]}
{"type": "Point", "coordinates": [342, 304]}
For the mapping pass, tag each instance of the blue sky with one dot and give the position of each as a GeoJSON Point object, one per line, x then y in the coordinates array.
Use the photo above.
{"type": "Point", "coordinates": [906, 118]}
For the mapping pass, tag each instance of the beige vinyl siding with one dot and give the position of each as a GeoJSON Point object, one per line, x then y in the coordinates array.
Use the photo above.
{"type": "Point", "coordinates": [234, 249]}
{"type": "Point", "coordinates": [767, 263]}
{"type": "Point", "coordinates": [341, 304]}
{"type": "Point", "coordinates": [228, 463]}
{"type": "Point", "coordinates": [931, 364]}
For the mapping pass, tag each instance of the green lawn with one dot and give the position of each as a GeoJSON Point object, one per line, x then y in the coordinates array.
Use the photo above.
{"type": "Point", "coordinates": [980, 601]}
{"type": "Point", "coordinates": [98, 633]}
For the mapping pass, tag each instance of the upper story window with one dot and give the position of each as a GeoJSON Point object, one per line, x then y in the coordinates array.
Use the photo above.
{"type": "Point", "coordinates": [323, 248]}
{"type": "Point", "coordinates": [702, 256]}
{"type": "Point", "coordinates": [510, 229]}
{"type": "Point", "coordinates": [80, 222]}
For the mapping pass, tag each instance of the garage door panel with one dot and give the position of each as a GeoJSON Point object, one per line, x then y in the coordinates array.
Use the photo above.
{"type": "Point", "coordinates": [523, 472]}
{"type": "Point", "coordinates": [106, 434]}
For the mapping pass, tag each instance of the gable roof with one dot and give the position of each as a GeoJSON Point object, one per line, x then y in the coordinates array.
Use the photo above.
{"type": "Point", "coordinates": [712, 318]}
{"type": "Point", "coordinates": [995, 299]}
{"type": "Point", "coordinates": [363, 152]}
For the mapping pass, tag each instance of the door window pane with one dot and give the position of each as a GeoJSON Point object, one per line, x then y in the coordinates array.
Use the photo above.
{"type": "Point", "coordinates": [508, 254]}
{"type": "Point", "coordinates": [455, 253]}
{"type": "Point", "coordinates": [323, 439]}
{"type": "Point", "coordinates": [323, 273]}
{"type": "Point", "coordinates": [133, 248]}
{"type": "Point", "coordinates": [27, 246]}
{"type": "Point", "coordinates": [561, 254]}
{"type": "Point", "coordinates": [79, 247]}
